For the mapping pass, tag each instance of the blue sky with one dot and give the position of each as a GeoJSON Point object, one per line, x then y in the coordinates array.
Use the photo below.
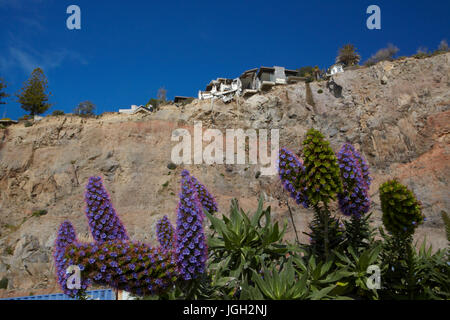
{"type": "Point", "coordinates": [126, 50]}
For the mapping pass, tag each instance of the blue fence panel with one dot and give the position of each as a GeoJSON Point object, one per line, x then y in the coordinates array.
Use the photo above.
{"type": "Point", "coordinates": [92, 295]}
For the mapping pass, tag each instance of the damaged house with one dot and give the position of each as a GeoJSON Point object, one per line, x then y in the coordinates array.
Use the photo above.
{"type": "Point", "coordinates": [248, 83]}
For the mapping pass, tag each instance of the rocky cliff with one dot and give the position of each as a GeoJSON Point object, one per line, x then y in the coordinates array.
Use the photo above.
{"type": "Point", "coordinates": [396, 113]}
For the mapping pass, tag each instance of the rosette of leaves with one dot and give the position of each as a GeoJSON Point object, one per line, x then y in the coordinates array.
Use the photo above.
{"type": "Point", "coordinates": [244, 242]}
{"type": "Point", "coordinates": [401, 211]}
{"type": "Point", "coordinates": [322, 171]}
{"type": "Point", "coordinates": [292, 176]}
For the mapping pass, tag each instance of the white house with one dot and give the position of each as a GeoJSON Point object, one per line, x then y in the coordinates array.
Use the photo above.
{"type": "Point", "coordinates": [335, 68]}
{"type": "Point", "coordinates": [137, 109]}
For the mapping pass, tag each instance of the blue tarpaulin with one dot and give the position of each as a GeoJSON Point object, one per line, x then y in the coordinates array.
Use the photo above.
{"type": "Point", "coordinates": [92, 295]}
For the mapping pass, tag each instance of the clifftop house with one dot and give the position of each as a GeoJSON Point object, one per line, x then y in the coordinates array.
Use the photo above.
{"type": "Point", "coordinates": [249, 82]}
{"type": "Point", "coordinates": [137, 109]}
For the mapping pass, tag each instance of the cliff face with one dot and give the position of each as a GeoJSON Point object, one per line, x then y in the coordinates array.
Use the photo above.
{"type": "Point", "coordinates": [396, 113]}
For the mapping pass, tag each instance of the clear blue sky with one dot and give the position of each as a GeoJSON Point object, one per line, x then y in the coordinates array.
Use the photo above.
{"type": "Point", "coordinates": [126, 50]}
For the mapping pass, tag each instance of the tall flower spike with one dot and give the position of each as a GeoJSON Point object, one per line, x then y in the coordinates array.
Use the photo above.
{"type": "Point", "coordinates": [66, 237]}
{"type": "Point", "coordinates": [206, 199]}
{"type": "Point", "coordinates": [354, 200]}
{"type": "Point", "coordinates": [104, 223]}
{"type": "Point", "coordinates": [191, 248]}
{"type": "Point", "coordinates": [322, 171]}
{"type": "Point", "coordinates": [291, 173]}
{"type": "Point", "coordinates": [166, 233]}
{"type": "Point", "coordinates": [402, 213]}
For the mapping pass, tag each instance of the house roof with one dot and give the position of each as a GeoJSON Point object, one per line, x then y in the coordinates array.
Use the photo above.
{"type": "Point", "coordinates": [265, 69]}
{"type": "Point", "coordinates": [181, 98]}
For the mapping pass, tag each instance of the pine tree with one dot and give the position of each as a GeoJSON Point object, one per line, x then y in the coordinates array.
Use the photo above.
{"type": "Point", "coordinates": [34, 97]}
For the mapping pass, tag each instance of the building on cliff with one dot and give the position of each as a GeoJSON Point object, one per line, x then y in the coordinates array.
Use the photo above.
{"type": "Point", "coordinates": [137, 109]}
{"type": "Point", "coordinates": [248, 83]}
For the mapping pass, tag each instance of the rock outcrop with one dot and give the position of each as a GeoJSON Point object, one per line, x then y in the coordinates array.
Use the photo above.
{"type": "Point", "coordinates": [396, 113]}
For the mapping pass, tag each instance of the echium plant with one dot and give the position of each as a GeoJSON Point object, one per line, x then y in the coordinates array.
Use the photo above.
{"type": "Point", "coordinates": [113, 260]}
{"type": "Point", "coordinates": [207, 200]}
{"type": "Point", "coordinates": [191, 248]}
{"type": "Point", "coordinates": [322, 171]}
{"type": "Point", "coordinates": [402, 214]}
{"type": "Point", "coordinates": [354, 201]}
{"type": "Point", "coordinates": [292, 174]}
{"type": "Point", "coordinates": [103, 221]}
{"type": "Point", "coordinates": [166, 233]}
{"type": "Point", "coordinates": [314, 184]}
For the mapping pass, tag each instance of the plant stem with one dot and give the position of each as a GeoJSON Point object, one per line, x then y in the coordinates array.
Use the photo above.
{"type": "Point", "coordinates": [293, 223]}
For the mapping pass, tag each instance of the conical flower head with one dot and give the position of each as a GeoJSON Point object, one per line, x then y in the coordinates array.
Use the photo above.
{"type": "Point", "coordinates": [292, 174]}
{"type": "Point", "coordinates": [191, 248]}
{"type": "Point", "coordinates": [166, 233]}
{"type": "Point", "coordinates": [65, 238]}
{"type": "Point", "coordinates": [401, 211]}
{"type": "Point", "coordinates": [104, 223]}
{"type": "Point", "coordinates": [322, 171]}
{"type": "Point", "coordinates": [354, 200]}
{"type": "Point", "coordinates": [206, 199]}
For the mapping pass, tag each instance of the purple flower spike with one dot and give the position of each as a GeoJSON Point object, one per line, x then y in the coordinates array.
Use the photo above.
{"type": "Point", "coordinates": [104, 223]}
{"type": "Point", "coordinates": [158, 267]}
{"type": "Point", "coordinates": [206, 199]}
{"type": "Point", "coordinates": [355, 199]}
{"type": "Point", "coordinates": [66, 237]}
{"type": "Point", "coordinates": [189, 234]}
{"type": "Point", "coordinates": [166, 233]}
{"type": "Point", "coordinates": [291, 172]}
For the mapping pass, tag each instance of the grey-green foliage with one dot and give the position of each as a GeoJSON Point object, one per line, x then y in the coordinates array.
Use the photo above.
{"type": "Point", "coordinates": [296, 279]}
{"type": "Point", "coordinates": [276, 283]}
{"type": "Point", "coordinates": [243, 243]}
{"type": "Point", "coordinates": [355, 267]}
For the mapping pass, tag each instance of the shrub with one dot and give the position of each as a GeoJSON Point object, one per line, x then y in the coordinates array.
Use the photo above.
{"type": "Point", "coordinates": [4, 283]}
{"type": "Point", "coordinates": [171, 166]}
{"type": "Point", "coordinates": [385, 54]}
{"type": "Point", "coordinates": [39, 213]}
{"type": "Point", "coordinates": [58, 113]}
{"type": "Point", "coordinates": [28, 124]}
{"type": "Point", "coordinates": [85, 108]}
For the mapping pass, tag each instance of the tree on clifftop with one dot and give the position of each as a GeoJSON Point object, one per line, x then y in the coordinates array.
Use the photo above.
{"type": "Point", "coordinates": [347, 55]}
{"type": "Point", "coordinates": [3, 94]}
{"type": "Point", "coordinates": [33, 97]}
{"type": "Point", "coordinates": [85, 108]}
